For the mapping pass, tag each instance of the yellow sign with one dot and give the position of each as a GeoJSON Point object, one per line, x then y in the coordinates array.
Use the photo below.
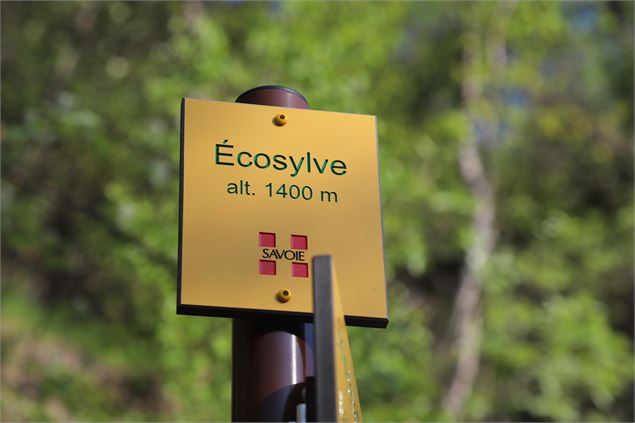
{"type": "Point", "coordinates": [336, 396]}
{"type": "Point", "coordinates": [263, 189]}
{"type": "Point", "coordinates": [348, 406]}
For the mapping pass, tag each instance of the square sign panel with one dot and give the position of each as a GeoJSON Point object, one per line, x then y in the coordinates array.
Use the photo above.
{"type": "Point", "coordinates": [264, 189]}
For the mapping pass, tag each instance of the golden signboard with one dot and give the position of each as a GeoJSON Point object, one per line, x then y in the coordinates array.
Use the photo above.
{"type": "Point", "coordinates": [265, 188]}
{"type": "Point", "coordinates": [336, 395]}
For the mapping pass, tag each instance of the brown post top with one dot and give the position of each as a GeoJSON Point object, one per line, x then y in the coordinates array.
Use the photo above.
{"type": "Point", "coordinates": [274, 95]}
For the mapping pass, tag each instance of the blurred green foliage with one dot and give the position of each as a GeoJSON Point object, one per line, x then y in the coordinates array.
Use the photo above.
{"type": "Point", "coordinates": [91, 94]}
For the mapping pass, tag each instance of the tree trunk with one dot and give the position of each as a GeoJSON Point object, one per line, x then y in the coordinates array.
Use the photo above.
{"type": "Point", "coordinates": [467, 320]}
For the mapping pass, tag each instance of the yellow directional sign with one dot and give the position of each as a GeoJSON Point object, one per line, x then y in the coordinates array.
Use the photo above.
{"type": "Point", "coordinates": [348, 406]}
{"type": "Point", "coordinates": [336, 395]}
{"type": "Point", "coordinates": [263, 189]}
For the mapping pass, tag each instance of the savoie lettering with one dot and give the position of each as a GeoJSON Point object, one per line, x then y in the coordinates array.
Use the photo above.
{"type": "Point", "coordinates": [226, 156]}
{"type": "Point", "coordinates": [280, 254]}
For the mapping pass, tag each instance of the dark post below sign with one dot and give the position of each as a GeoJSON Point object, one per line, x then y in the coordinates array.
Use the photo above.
{"type": "Point", "coordinates": [271, 359]}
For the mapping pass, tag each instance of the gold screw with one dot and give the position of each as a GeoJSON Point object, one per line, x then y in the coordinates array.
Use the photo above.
{"type": "Point", "coordinates": [283, 295]}
{"type": "Point", "coordinates": [280, 119]}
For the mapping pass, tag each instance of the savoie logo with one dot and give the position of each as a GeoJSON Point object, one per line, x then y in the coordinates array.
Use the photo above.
{"type": "Point", "coordinates": [270, 255]}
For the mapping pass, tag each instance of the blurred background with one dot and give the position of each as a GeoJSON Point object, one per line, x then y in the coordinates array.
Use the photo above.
{"type": "Point", "coordinates": [506, 138]}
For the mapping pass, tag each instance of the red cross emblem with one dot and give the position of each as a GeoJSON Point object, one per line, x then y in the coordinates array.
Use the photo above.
{"type": "Point", "coordinates": [297, 242]}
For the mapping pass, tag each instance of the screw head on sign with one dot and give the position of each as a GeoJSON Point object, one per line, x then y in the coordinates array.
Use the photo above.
{"type": "Point", "coordinates": [283, 295]}
{"type": "Point", "coordinates": [280, 119]}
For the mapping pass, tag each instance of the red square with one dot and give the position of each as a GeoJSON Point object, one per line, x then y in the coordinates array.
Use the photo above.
{"type": "Point", "coordinates": [267, 267]}
{"type": "Point", "coordinates": [299, 242]}
{"type": "Point", "coordinates": [300, 270]}
{"type": "Point", "coordinates": [266, 239]}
